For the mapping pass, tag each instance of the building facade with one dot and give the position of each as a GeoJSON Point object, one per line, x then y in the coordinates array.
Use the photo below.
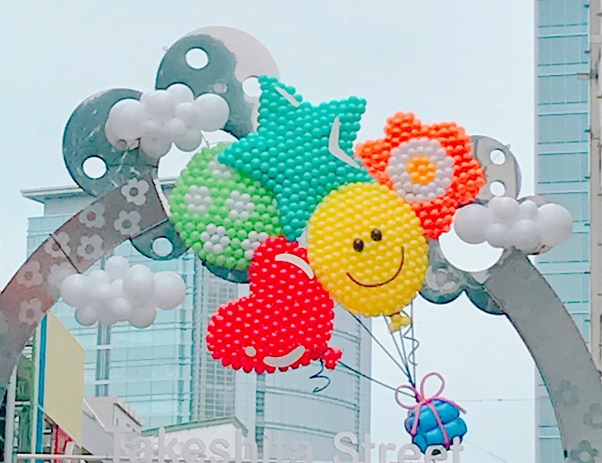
{"type": "Point", "coordinates": [167, 375]}
{"type": "Point", "coordinates": [562, 172]}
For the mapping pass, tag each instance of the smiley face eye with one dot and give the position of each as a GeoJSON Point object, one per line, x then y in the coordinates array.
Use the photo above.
{"type": "Point", "coordinates": [376, 235]}
{"type": "Point", "coordinates": [358, 245]}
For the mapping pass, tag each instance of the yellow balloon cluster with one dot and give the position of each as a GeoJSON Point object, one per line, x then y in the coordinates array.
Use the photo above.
{"type": "Point", "coordinates": [368, 250]}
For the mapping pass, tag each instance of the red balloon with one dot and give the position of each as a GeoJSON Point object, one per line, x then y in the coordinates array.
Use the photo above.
{"type": "Point", "coordinates": [287, 320]}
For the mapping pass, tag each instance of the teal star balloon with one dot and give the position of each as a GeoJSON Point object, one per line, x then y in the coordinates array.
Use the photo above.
{"type": "Point", "coordinates": [300, 152]}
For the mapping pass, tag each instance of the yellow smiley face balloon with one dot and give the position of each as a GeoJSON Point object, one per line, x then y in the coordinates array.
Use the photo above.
{"type": "Point", "coordinates": [368, 250]}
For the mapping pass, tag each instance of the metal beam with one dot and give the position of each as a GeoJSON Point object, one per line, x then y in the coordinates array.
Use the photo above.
{"type": "Point", "coordinates": [595, 228]}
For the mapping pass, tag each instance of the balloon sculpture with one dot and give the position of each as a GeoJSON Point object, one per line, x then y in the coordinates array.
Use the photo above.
{"type": "Point", "coordinates": [371, 217]}
{"type": "Point", "coordinates": [368, 215]}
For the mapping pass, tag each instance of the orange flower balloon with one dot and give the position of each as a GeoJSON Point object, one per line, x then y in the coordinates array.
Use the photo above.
{"type": "Point", "coordinates": [430, 166]}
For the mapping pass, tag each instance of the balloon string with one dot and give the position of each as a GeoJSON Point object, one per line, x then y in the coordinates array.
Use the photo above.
{"type": "Point", "coordinates": [402, 355]}
{"type": "Point", "coordinates": [376, 381]}
{"type": "Point", "coordinates": [410, 335]}
{"type": "Point", "coordinates": [385, 350]}
{"type": "Point", "coordinates": [319, 375]}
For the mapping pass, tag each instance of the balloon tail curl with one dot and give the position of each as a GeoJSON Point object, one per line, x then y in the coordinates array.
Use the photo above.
{"type": "Point", "coordinates": [320, 376]}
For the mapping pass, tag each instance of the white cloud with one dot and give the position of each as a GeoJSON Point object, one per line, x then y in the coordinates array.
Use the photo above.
{"type": "Point", "coordinates": [506, 223]}
{"type": "Point", "coordinates": [163, 117]}
{"type": "Point", "coordinates": [122, 293]}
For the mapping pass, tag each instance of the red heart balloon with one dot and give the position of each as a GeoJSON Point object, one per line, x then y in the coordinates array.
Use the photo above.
{"type": "Point", "coordinates": [286, 321]}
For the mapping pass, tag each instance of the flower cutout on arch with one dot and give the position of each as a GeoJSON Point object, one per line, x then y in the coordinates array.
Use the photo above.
{"type": "Point", "coordinates": [584, 453]}
{"type": "Point", "coordinates": [593, 417]}
{"type": "Point", "coordinates": [93, 216]}
{"type": "Point", "coordinates": [31, 312]}
{"type": "Point", "coordinates": [128, 223]}
{"type": "Point", "coordinates": [30, 274]}
{"type": "Point", "coordinates": [58, 246]}
{"type": "Point", "coordinates": [90, 248]}
{"type": "Point", "coordinates": [430, 166]}
{"type": "Point", "coordinates": [58, 273]}
{"type": "Point", "coordinates": [134, 191]}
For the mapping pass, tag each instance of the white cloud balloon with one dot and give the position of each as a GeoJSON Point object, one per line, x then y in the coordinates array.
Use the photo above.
{"type": "Point", "coordinates": [506, 223]}
{"type": "Point", "coordinates": [164, 117]}
{"type": "Point", "coordinates": [121, 293]}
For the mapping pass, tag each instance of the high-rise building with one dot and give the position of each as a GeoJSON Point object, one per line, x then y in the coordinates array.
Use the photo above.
{"type": "Point", "coordinates": [167, 375]}
{"type": "Point", "coordinates": [562, 171]}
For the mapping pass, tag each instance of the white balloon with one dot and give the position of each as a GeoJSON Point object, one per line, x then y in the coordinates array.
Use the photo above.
{"type": "Point", "coordinates": [174, 128]}
{"type": "Point", "coordinates": [142, 316]}
{"type": "Point", "coordinates": [505, 209]}
{"type": "Point", "coordinates": [159, 105]}
{"type": "Point", "coordinates": [187, 113]}
{"type": "Point", "coordinates": [126, 117]}
{"type": "Point", "coordinates": [498, 236]}
{"type": "Point", "coordinates": [86, 316]}
{"type": "Point", "coordinates": [116, 291]}
{"type": "Point", "coordinates": [121, 308]}
{"type": "Point", "coordinates": [152, 129]}
{"type": "Point", "coordinates": [117, 267]}
{"type": "Point", "coordinates": [139, 284]}
{"type": "Point", "coordinates": [100, 296]}
{"type": "Point", "coordinates": [155, 147]}
{"type": "Point", "coordinates": [213, 112]}
{"type": "Point", "coordinates": [555, 224]}
{"type": "Point", "coordinates": [472, 222]}
{"type": "Point", "coordinates": [170, 290]}
{"type": "Point", "coordinates": [525, 236]}
{"type": "Point", "coordinates": [189, 140]}
{"type": "Point", "coordinates": [180, 93]}
{"type": "Point", "coordinates": [75, 290]}
{"type": "Point", "coordinates": [106, 317]}
{"type": "Point", "coordinates": [99, 277]}
{"type": "Point", "coordinates": [118, 142]}
{"type": "Point", "coordinates": [528, 210]}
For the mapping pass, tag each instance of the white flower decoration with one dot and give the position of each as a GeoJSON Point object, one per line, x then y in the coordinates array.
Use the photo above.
{"type": "Point", "coordinates": [252, 242]}
{"type": "Point", "coordinates": [198, 199]}
{"type": "Point", "coordinates": [219, 170]}
{"type": "Point", "coordinates": [30, 312]}
{"type": "Point", "coordinates": [420, 169]}
{"type": "Point", "coordinates": [90, 248]}
{"type": "Point", "coordinates": [58, 273]}
{"type": "Point", "coordinates": [135, 191]}
{"type": "Point", "coordinates": [93, 216]}
{"type": "Point", "coordinates": [30, 274]}
{"type": "Point", "coordinates": [3, 324]}
{"type": "Point", "coordinates": [128, 223]}
{"type": "Point", "coordinates": [240, 205]}
{"type": "Point", "coordinates": [214, 239]}
{"type": "Point", "coordinates": [58, 246]}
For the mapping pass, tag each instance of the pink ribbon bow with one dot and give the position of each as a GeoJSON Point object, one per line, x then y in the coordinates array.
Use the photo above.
{"type": "Point", "coordinates": [423, 400]}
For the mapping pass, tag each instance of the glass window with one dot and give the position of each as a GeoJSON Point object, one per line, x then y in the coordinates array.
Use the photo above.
{"type": "Point", "coordinates": [562, 89]}
{"type": "Point", "coordinates": [551, 451]}
{"type": "Point", "coordinates": [561, 12]}
{"type": "Point", "coordinates": [562, 128]}
{"type": "Point", "coordinates": [563, 167]}
{"type": "Point", "coordinates": [557, 50]}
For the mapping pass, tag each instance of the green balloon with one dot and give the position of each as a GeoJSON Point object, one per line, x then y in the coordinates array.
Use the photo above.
{"type": "Point", "coordinates": [221, 214]}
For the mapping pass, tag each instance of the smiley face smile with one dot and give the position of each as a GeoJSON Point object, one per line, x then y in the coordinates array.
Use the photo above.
{"type": "Point", "coordinates": [384, 282]}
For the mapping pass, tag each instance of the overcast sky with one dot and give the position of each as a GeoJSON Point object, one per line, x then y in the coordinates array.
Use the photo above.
{"type": "Point", "coordinates": [467, 60]}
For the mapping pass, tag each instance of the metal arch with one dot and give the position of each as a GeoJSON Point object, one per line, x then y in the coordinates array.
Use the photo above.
{"type": "Point", "coordinates": [34, 288]}
{"type": "Point", "coordinates": [84, 138]}
{"type": "Point", "coordinates": [233, 57]}
{"type": "Point", "coordinates": [507, 172]}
